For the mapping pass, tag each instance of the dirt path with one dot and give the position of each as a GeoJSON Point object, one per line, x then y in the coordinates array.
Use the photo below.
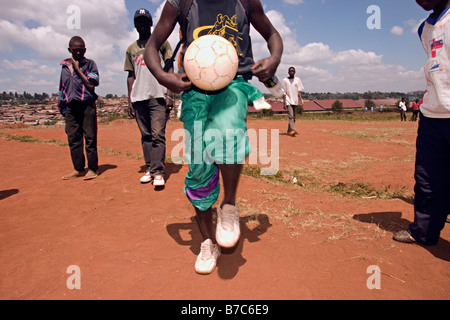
{"type": "Point", "coordinates": [299, 241]}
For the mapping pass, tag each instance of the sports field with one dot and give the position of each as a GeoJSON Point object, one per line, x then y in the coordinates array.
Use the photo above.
{"type": "Point", "coordinates": [316, 238]}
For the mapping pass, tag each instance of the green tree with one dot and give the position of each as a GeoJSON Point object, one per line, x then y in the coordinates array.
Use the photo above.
{"type": "Point", "coordinates": [337, 107]}
{"type": "Point", "coordinates": [369, 104]}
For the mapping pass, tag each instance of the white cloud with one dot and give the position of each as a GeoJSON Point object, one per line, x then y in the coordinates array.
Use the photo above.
{"type": "Point", "coordinates": [323, 69]}
{"type": "Point", "coordinates": [28, 66]}
{"type": "Point", "coordinates": [41, 27]}
{"type": "Point", "coordinates": [413, 24]}
{"type": "Point", "coordinates": [103, 26]}
{"type": "Point", "coordinates": [397, 30]}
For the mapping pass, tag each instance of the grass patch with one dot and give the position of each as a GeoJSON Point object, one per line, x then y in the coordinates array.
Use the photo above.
{"type": "Point", "coordinates": [109, 117]}
{"type": "Point", "coordinates": [359, 189]}
{"type": "Point", "coordinates": [30, 139]}
{"type": "Point", "coordinates": [349, 115]}
{"type": "Point", "coordinates": [356, 189]}
{"type": "Point", "coordinates": [372, 134]}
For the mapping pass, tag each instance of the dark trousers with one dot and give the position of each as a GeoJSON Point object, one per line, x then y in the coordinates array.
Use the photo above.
{"type": "Point", "coordinates": [432, 175]}
{"type": "Point", "coordinates": [402, 115]}
{"type": "Point", "coordinates": [151, 118]}
{"type": "Point", "coordinates": [81, 122]}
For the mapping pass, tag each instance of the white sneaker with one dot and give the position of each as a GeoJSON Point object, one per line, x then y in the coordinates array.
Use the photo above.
{"type": "Point", "coordinates": [158, 181]}
{"type": "Point", "coordinates": [207, 259]}
{"type": "Point", "coordinates": [227, 229]}
{"type": "Point", "coordinates": [146, 178]}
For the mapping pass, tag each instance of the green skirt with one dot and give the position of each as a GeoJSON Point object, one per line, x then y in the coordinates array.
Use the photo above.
{"type": "Point", "coordinates": [215, 126]}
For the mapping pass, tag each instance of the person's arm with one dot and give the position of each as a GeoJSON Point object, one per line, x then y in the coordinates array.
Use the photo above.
{"type": "Point", "coordinates": [61, 102]}
{"type": "Point", "coordinates": [264, 69]}
{"type": "Point", "coordinates": [300, 99]}
{"type": "Point", "coordinates": [86, 82]}
{"type": "Point", "coordinates": [130, 81]}
{"type": "Point", "coordinates": [172, 81]}
{"type": "Point", "coordinates": [166, 53]}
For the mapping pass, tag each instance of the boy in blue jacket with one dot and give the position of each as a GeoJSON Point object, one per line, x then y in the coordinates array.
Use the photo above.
{"type": "Point", "coordinates": [79, 77]}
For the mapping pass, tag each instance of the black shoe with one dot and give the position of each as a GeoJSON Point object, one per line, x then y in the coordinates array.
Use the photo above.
{"type": "Point", "coordinates": [404, 236]}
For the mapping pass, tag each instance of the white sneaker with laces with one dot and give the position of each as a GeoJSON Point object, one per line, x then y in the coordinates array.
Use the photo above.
{"type": "Point", "coordinates": [158, 181]}
{"type": "Point", "coordinates": [227, 229]}
{"type": "Point", "coordinates": [207, 259]}
{"type": "Point", "coordinates": [146, 178]}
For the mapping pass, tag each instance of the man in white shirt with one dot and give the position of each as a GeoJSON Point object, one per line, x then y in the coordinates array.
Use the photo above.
{"type": "Point", "coordinates": [402, 106]}
{"type": "Point", "coordinates": [292, 86]}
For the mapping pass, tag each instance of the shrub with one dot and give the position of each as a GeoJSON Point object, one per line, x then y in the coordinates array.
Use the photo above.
{"type": "Point", "coordinates": [337, 107]}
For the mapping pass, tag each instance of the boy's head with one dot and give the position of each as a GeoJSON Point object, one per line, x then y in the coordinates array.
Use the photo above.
{"type": "Point", "coordinates": [77, 48]}
{"type": "Point", "coordinates": [291, 72]}
{"type": "Point", "coordinates": [143, 21]}
{"type": "Point", "coordinates": [432, 4]}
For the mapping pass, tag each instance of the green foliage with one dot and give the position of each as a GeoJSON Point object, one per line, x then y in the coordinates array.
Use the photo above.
{"type": "Point", "coordinates": [337, 107]}
{"type": "Point", "coordinates": [112, 116]}
{"type": "Point", "coordinates": [369, 104]}
{"type": "Point", "coordinates": [25, 98]}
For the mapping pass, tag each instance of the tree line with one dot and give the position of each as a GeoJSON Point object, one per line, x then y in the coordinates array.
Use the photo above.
{"type": "Point", "coordinates": [15, 98]}
{"type": "Point", "coordinates": [37, 98]}
{"type": "Point", "coordinates": [369, 95]}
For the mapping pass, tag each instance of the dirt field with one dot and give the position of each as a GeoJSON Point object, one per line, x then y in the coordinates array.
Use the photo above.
{"type": "Point", "coordinates": [314, 239]}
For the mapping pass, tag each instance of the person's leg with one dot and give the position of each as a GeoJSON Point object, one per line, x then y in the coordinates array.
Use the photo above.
{"type": "Point", "coordinates": [291, 116]}
{"type": "Point", "coordinates": [205, 223]}
{"type": "Point", "coordinates": [142, 113]}
{"type": "Point", "coordinates": [74, 131]}
{"type": "Point", "coordinates": [230, 177]}
{"type": "Point", "coordinates": [202, 181]}
{"type": "Point", "coordinates": [90, 135]}
{"type": "Point", "coordinates": [294, 111]}
{"type": "Point", "coordinates": [158, 133]}
{"type": "Point", "coordinates": [229, 148]}
{"type": "Point", "coordinates": [432, 176]}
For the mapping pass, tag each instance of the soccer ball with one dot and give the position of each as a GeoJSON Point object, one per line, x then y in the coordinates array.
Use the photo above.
{"type": "Point", "coordinates": [211, 62]}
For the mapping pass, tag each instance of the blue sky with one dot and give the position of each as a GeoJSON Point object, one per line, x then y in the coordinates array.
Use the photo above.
{"type": "Point", "coordinates": [328, 42]}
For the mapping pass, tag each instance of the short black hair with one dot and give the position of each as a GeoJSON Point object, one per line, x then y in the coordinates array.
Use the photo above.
{"type": "Point", "coordinates": [76, 39]}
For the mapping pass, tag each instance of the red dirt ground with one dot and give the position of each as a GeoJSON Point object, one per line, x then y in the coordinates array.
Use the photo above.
{"type": "Point", "coordinates": [131, 241]}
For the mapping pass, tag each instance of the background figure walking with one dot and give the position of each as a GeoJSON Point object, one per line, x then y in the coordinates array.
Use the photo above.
{"type": "Point", "coordinates": [415, 107]}
{"type": "Point", "coordinates": [402, 106]}
{"type": "Point", "coordinates": [292, 99]}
